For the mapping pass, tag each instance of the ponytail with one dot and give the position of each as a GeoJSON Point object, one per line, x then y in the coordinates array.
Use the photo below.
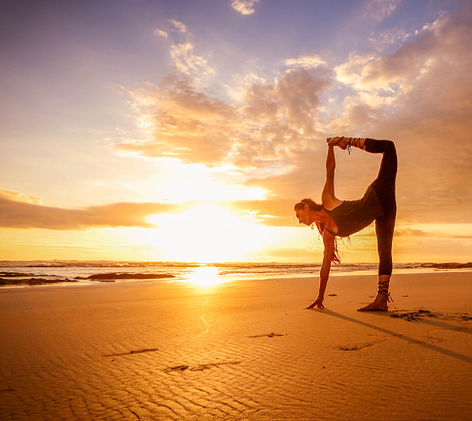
{"type": "Point", "coordinates": [335, 258]}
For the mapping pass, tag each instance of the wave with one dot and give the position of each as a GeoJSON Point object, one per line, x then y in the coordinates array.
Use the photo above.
{"type": "Point", "coordinates": [40, 272]}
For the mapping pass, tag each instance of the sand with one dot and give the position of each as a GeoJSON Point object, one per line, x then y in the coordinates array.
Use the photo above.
{"type": "Point", "coordinates": [244, 350]}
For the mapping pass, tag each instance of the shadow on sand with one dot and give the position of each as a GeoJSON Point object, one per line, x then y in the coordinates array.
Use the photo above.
{"type": "Point", "coordinates": [401, 336]}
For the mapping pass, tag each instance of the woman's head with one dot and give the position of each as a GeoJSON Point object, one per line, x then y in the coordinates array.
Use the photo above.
{"type": "Point", "coordinates": [308, 202]}
{"type": "Point", "coordinates": [302, 211]}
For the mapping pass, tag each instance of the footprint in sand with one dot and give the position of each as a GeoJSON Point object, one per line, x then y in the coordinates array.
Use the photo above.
{"type": "Point", "coordinates": [410, 315]}
{"type": "Point", "coordinates": [431, 340]}
{"type": "Point", "coordinates": [353, 347]}
{"type": "Point", "coordinates": [199, 367]}
{"type": "Point", "coordinates": [139, 351]}
{"type": "Point", "coordinates": [269, 335]}
{"type": "Point", "coordinates": [462, 318]}
{"type": "Point", "coordinates": [176, 368]}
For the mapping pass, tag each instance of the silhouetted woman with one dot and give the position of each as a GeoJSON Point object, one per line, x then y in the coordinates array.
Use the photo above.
{"type": "Point", "coordinates": [345, 217]}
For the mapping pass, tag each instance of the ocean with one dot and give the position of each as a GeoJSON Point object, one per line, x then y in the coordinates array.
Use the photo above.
{"type": "Point", "coordinates": [36, 273]}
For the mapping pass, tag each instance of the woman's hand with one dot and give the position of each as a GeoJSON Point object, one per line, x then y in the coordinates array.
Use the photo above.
{"type": "Point", "coordinates": [318, 303]}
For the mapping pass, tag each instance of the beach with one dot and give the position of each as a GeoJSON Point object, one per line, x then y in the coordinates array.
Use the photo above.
{"type": "Point", "coordinates": [242, 350]}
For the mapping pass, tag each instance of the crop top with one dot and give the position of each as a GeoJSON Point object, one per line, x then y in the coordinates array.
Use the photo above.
{"type": "Point", "coordinates": [351, 216]}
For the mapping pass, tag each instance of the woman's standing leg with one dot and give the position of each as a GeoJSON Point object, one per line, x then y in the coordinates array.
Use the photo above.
{"type": "Point", "coordinates": [384, 186]}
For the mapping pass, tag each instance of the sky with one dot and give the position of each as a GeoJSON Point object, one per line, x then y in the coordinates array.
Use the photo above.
{"type": "Point", "coordinates": [159, 130]}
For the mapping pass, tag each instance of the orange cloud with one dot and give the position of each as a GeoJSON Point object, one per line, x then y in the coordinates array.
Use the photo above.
{"type": "Point", "coordinates": [18, 213]}
{"type": "Point", "coordinates": [409, 232]}
{"type": "Point", "coordinates": [275, 119]}
{"type": "Point", "coordinates": [188, 124]}
{"type": "Point", "coordinates": [421, 97]}
{"type": "Point", "coordinates": [19, 197]}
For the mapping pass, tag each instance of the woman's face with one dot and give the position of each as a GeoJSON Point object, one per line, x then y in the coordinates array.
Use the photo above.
{"type": "Point", "coordinates": [302, 216]}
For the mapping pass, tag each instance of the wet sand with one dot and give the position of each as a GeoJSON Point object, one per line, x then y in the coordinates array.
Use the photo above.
{"type": "Point", "coordinates": [244, 350]}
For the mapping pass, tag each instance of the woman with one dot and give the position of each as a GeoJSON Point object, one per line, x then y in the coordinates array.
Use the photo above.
{"type": "Point", "coordinates": [342, 218]}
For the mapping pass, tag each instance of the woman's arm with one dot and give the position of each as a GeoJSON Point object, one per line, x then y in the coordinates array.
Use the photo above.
{"type": "Point", "coordinates": [328, 243]}
{"type": "Point", "coordinates": [328, 196]}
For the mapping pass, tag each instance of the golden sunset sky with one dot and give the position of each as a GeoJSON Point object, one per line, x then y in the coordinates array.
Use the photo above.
{"type": "Point", "coordinates": [186, 130]}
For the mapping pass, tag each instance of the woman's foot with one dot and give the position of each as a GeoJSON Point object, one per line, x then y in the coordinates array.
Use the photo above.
{"type": "Point", "coordinates": [379, 304]}
{"type": "Point", "coordinates": [347, 142]}
{"type": "Point", "coordinates": [340, 141]}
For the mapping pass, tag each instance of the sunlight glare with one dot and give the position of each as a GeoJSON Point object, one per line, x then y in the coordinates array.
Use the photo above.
{"type": "Point", "coordinates": [207, 234]}
{"type": "Point", "coordinates": [205, 276]}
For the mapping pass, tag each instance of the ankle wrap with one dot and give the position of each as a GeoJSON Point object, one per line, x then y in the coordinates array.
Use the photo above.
{"type": "Point", "coordinates": [383, 289]}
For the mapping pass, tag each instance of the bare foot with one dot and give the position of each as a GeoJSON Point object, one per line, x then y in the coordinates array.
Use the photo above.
{"type": "Point", "coordinates": [379, 304]}
{"type": "Point", "coordinates": [340, 141]}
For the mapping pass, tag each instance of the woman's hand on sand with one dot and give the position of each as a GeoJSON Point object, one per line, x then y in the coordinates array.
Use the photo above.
{"type": "Point", "coordinates": [318, 303]}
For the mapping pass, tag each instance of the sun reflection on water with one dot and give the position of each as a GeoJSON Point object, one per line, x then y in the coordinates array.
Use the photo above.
{"type": "Point", "coordinates": [206, 276]}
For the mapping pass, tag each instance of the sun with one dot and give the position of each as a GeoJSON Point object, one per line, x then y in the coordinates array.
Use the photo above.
{"type": "Point", "coordinates": [206, 276]}
{"type": "Point", "coordinates": [207, 234]}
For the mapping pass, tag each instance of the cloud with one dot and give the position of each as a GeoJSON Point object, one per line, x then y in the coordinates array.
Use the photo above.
{"type": "Point", "coordinates": [381, 9]}
{"type": "Point", "coordinates": [443, 41]}
{"type": "Point", "coordinates": [182, 51]}
{"type": "Point", "coordinates": [275, 213]}
{"type": "Point", "coordinates": [245, 7]}
{"type": "Point", "coordinates": [303, 178]}
{"type": "Point", "coordinates": [177, 26]}
{"type": "Point", "coordinates": [388, 37]}
{"type": "Point", "coordinates": [415, 233]}
{"type": "Point", "coordinates": [273, 131]}
{"type": "Point", "coordinates": [20, 197]}
{"type": "Point", "coordinates": [421, 97]}
{"type": "Point", "coordinates": [432, 250]}
{"type": "Point", "coordinates": [160, 33]}
{"type": "Point", "coordinates": [188, 124]}
{"type": "Point", "coordinates": [18, 213]}
{"type": "Point", "coordinates": [306, 61]}
{"type": "Point", "coordinates": [187, 62]}
{"type": "Point", "coordinates": [15, 212]}
{"type": "Point", "coordinates": [274, 120]}
{"type": "Point", "coordinates": [427, 75]}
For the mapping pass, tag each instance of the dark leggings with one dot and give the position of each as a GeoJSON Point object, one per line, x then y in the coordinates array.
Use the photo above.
{"type": "Point", "coordinates": [384, 186]}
